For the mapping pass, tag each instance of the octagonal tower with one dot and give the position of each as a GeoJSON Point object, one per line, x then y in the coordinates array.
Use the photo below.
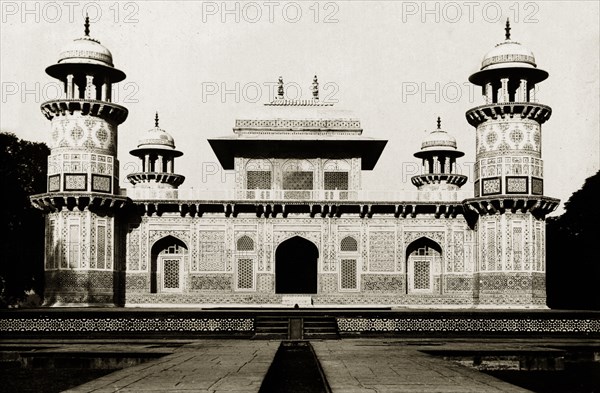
{"type": "Point", "coordinates": [509, 198]}
{"type": "Point", "coordinates": [83, 187]}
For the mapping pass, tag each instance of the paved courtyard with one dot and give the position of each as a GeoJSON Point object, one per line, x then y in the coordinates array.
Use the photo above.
{"type": "Point", "coordinates": [350, 365]}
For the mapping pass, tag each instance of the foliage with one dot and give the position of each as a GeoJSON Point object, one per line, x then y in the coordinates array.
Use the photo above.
{"type": "Point", "coordinates": [23, 167]}
{"type": "Point", "coordinates": [573, 264]}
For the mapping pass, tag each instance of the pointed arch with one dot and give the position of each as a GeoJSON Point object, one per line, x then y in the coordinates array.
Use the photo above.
{"type": "Point", "coordinates": [348, 244]}
{"type": "Point", "coordinates": [296, 261]}
{"type": "Point", "coordinates": [423, 242]}
{"type": "Point", "coordinates": [168, 245]}
{"type": "Point", "coordinates": [164, 243]}
{"type": "Point", "coordinates": [423, 259]}
{"type": "Point", "coordinates": [245, 243]}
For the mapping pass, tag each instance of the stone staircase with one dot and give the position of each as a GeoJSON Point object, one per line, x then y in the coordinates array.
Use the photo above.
{"type": "Point", "coordinates": [320, 327]}
{"type": "Point", "coordinates": [284, 327]}
{"type": "Point", "coordinates": [271, 327]}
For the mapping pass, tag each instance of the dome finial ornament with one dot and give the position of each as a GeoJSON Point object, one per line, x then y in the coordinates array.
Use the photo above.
{"type": "Point", "coordinates": [439, 123]}
{"type": "Point", "coordinates": [507, 29]}
{"type": "Point", "coordinates": [87, 25]}
{"type": "Point", "coordinates": [315, 88]}
{"type": "Point", "coordinates": [156, 120]}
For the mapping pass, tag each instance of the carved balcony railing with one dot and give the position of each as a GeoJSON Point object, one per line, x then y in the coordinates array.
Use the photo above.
{"type": "Point", "coordinates": [296, 195]}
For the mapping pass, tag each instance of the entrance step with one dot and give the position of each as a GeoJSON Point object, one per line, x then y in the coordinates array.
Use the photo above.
{"type": "Point", "coordinates": [282, 327]}
{"type": "Point", "coordinates": [271, 327]}
{"type": "Point", "coordinates": [320, 327]}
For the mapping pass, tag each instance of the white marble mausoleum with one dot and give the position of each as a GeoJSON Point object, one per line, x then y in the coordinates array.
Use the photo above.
{"type": "Point", "coordinates": [297, 228]}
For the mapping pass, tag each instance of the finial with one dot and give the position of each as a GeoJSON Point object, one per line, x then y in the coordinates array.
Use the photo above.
{"type": "Point", "coordinates": [507, 29]}
{"type": "Point", "coordinates": [315, 88]}
{"type": "Point", "coordinates": [280, 87]}
{"type": "Point", "coordinates": [156, 120]}
{"type": "Point", "coordinates": [87, 25]}
{"type": "Point", "coordinates": [439, 123]}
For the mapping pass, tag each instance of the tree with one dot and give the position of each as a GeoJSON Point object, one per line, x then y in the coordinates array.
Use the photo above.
{"type": "Point", "coordinates": [573, 264]}
{"type": "Point", "coordinates": [23, 167]}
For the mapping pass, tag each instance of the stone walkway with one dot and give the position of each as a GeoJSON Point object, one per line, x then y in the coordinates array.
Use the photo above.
{"type": "Point", "coordinates": [378, 366]}
{"type": "Point", "coordinates": [350, 366]}
{"type": "Point", "coordinates": [204, 366]}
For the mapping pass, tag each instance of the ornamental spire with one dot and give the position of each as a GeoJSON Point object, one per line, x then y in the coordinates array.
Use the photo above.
{"type": "Point", "coordinates": [156, 120]}
{"type": "Point", "coordinates": [87, 25]}
{"type": "Point", "coordinates": [315, 88]}
{"type": "Point", "coordinates": [439, 123]}
{"type": "Point", "coordinates": [280, 87]}
{"type": "Point", "coordinates": [507, 30]}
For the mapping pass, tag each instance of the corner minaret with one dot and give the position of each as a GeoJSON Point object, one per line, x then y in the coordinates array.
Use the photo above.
{"type": "Point", "coordinates": [509, 203]}
{"type": "Point", "coordinates": [156, 150]}
{"type": "Point", "coordinates": [83, 198]}
{"type": "Point", "coordinates": [439, 153]}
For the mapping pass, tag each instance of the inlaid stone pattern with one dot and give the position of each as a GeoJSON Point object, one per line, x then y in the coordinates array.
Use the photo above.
{"type": "Point", "coordinates": [537, 186]}
{"type": "Point", "coordinates": [137, 282]}
{"type": "Point", "coordinates": [211, 282]}
{"type": "Point", "coordinates": [529, 324]}
{"type": "Point", "coordinates": [75, 182]}
{"type": "Point", "coordinates": [328, 283]}
{"type": "Point", "coordinates": [516, 185]}
{"type": "Point", "coordinates": [491, 186]}
{"type": "Point", "coordinates": [509, 282]}
{"type": "Point", "coordinates": [74, 281]}
{"type": "Point", "coordinates": [127, 324]}
{"type": "Point", "coordinates": [509, 134]}
{"type": "Point", "coordinates": [83, 133]}
{"type": "Point", "coordinates": [383, 283]}
{"type": "Point", "coordinates": [459, 283]}
{"type": "Point", "coordinates": [212, 251]}
{"type": "Point", "coordinates": [265, 283]}
{"type": "Point", "coordinates": [381, 251]}
{"type": "Point", "coordinates": [101, 183]}
{"type": "Point", "coordinates": [53, 183]}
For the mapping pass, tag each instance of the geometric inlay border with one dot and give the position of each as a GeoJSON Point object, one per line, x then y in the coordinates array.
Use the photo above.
{"type": "Point", "coordinates": [101, 183]}
{"type": "Point", "coordinates": [491, 186]}
{"type": "Point", "coordinates": [537, 186]}
{"type": "Point", "coordinates": [54, 183]}
{"type": "Point", "coordinates": [75, 182]}
{"type": "Point", "coordinates": [512, 185]}
{"type": "Point", "coordinates": [127, 325]}
{"type": "Point", "coordinates": [468, 325]}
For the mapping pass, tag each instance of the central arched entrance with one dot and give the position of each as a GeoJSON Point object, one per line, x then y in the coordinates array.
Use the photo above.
{"type": "Point", "coordinates": [296, 266]}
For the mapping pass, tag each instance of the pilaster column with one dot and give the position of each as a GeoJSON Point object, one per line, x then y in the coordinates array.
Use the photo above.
{"type": "Point", "coordinates": [489, 95]}
{"type": "Point", "coordinates": [70, 88]}
{"type": "Point", "coordinates": [159, 164]}
{"type": "Point", "coordinates": [523, 91]}
{"type": "Point", "coordinates": [504, 90]}
{"type": "Point", "coordinates": [89, 88]}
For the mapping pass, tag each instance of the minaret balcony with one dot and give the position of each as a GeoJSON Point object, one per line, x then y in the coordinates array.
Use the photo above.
{"type": "Point", "coordinates": [113, 113]}
{"type": "Point", "coordinates": [502, 110]}
{"type": "Point", "coordinates": [171, 179]}
{"type": "Point", "coordinates": [56, 201]}
{"type": "Point", "coordinates": [439, 178]}
{"type": "Point", "coordinates": [539, 206]}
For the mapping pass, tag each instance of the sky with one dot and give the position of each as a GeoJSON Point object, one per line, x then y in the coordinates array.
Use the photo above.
{"type": "Point", "coordinates": [396, 65]}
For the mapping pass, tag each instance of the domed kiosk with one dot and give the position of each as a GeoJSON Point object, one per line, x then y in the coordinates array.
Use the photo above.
{"type": "Point", "coordinates": [439, 154]}
{"type": "Point", "coordinates": [156, 150]}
